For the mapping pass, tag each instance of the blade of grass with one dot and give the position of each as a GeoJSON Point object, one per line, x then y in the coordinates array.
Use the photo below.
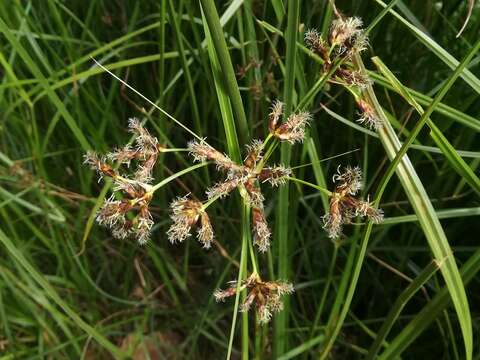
{"type": "Point", "coordinates": [44, 82]}
{"type": "Point", "coordinates": [441, 214]}
{"type": "Point", "coordinates": [430, 312]}
{"type": "Point", "coordinates": [448, 150]}
{"type": "Point", "coordinates": [420, 201]}
{"type": "Point", "coordinates": [398, 306]}
{"type": "Point", "coordinates": [282, 230]}
{"type": "Point", "coordinates": [440, 52]}
{"type": "Point", "coordinates": [230, 82]}
{"type": "Point", "coordinates": [39, 278]}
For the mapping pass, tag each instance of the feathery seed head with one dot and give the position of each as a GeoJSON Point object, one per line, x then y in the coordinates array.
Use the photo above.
{"type": "Point", "coordinates": [344, 32]}
{"type": "Point", "coordinates": [205, 231]}
{"type": "Point", "coordinates": [201, 151]}
{"type": "Point", "coordinates": [222, 189]}
{"type": "Point", "coordinates": [366, 209]}
{"type": "Point", "coordinates": [254, 154]}
{"type": "Point", "coordinates": [261, 231]}
{"type": "Point", "coordinates": [255, 196]}
{"type": "Point", "coordinates": [143, 139]}
{"type": "Point", "coordinates": [353, 78]}
{"type": "Point", "coordinates": [344, 206]}
{"type": "Point", "coordinates": [349, 180]}
{"type": "Point", "coordinates": [275, 115]}
{"type": "Point", "coordinates": [293, 130]}
{"type": "Point", "coordinates": [316, 43]}
{"type": "Point", "coordinates": [144, 226]}
{"type": "Point", "coordinates": [265, 295]}
{"type": "Point", "coordinates": [135, 189]}
{"type": "Point", "coordinates": [185, 213]}
{"type": "Point", "coordinates": [276, 175]}
{"type": "Point", "coordinates": [99, 164]}
{"type": "Point", "coordinates": [368, 116]}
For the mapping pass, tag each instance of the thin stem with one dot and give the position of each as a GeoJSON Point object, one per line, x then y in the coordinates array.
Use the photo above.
{"type": "Point", "coordinates": [319, 188]}
{"type": "Point", "coordinates": [176, 175]}
{"type": "Point", "coordinates": [174, 150]}
{"type": "Point", "coordinates": [268, 153]}
{"type": "Point", "coordinates": [253, 259]}
{"type": "Point", "coordinates": [241, 275]}
{"type": "Point", "coordinates": [149, 101]}
{"type": "Point", "coordinates": [211, 201]}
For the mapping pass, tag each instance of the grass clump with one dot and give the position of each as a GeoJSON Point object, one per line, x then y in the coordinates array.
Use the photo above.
{"type": "Point", "coordinates": [240, 114]}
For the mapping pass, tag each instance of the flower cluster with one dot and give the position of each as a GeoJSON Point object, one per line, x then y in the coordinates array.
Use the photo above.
{"type": "Point", "coordinates": [128, 214]}
{"type": "Point", "coordinates": [249, 175]}
{"type": "Point", "coordinates": [344, 206]}
{"type": "Point", "coordinates": [346, 37]}
{"type": "Point", "coordinates": [293, 129]}
{"type": "Point", "coordinates": [265, 295]}
{"type": "Point", "coordinates": [185, 214]}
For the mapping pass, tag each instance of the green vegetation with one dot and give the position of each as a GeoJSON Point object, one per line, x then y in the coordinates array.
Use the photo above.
{"type": "Point", "coordinates": [300, 77]}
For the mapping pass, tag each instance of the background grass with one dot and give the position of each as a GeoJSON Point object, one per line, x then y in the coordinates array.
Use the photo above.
{"type": "Point", "coordinates": [69, 290]}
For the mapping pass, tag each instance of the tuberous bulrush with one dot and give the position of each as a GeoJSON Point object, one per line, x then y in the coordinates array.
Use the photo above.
{"type": "Point", "coordinates": [315, 42]}
{"type": "Point", "coordinates": [260, 229]}
{"type": "Point", "coordinates": [344, 206]}
{"type": "Point", "coordinates": [345, 33]}
{"type": "Point", "coordinates": [293, 129]}
{"type": "Point", "coordinates": [264, 295]}
{"type": "Point", "coordinates": [368, 116]}
{"type": "Point", "coordinates": [276, 175]}
{"type": "Point", "coordinates": [201, 151]}
{"type": "Point", "coordinates": [346, 37]}
{"type": "Point", "coordinates": [185, 214]}
{"type": "Point", "coordinates": [129, 216]}
{"type": "Point", "coordinates": [353, 78]}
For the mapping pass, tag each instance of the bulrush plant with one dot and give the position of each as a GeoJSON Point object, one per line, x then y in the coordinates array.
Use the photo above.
{"type": "Point", "coordinates": [128, 215]}
{"type": "Point", "coordinates": [253, 171]}
{"type": "Point", "coordinates": [126, 212]}
{"type": "Point", "coordinates": [346, 38]}
{"type": "Point", "coordinates": [344, 206]}
{"type": "Point", "coordinates": [265, 295]}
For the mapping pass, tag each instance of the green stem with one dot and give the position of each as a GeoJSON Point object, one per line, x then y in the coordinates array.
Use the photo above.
{"type": "Point", "coordinates": [218, 38]}
{"type": "Point", "coordinates": [176, 175]}
{"type": "Point", "coordinates": [399, 304]}
{"type": "Point", "coordinates": [319, 188]}
{"type": "Point", "coordinates": [241, 275]}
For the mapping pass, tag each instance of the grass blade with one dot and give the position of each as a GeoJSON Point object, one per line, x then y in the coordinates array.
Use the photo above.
{"type": "Point", "coordinates": [422, 205]}
{"type": "Point", "coordinates": [282, 216]}
{"type": "Point", "coordinates": [399, 304]}
{"type": "Point", "coordinates": [17, 254]}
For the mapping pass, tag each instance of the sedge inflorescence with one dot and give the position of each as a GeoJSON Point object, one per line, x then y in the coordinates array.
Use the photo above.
{"type": "Point", "coordinates": [344, 206]}
{"type": "Point", "coordinates": [253, 172]}
{"type": "Point", "coordinates": [126, 212]}
{"type": "Point", "coordinates": [346, 38]}
{"type": "Point", "coordinates": [266, 296]}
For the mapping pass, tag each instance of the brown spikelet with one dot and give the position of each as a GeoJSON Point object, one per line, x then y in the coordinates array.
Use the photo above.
{"type": "Point", "coordinates": [261, 231]}
{"type": "Point", "coordinates": [344, 206]}
{"type": "Point", "coordinates": [264, 295]}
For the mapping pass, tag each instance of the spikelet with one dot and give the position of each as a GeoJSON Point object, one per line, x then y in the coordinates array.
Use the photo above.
{"type": "Point", "coordinates": [349, 180]}
{"type": "Point", "coordinates": [368, 116]}
{"type": "Point", "coordinates": [260, 229]}
{"type": "Point", "coordinates": [264, 295]}
{"type": "Point", "coordinates": [201, 151]}
{"type": "Point", "coordinates": [344, 207]}
{"type": "Point", "coordinates": [185, 214]}
{"type": "Point", "coordinates": [292, 130]}
{"type": "Point", "coordinates": [276, 175]}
